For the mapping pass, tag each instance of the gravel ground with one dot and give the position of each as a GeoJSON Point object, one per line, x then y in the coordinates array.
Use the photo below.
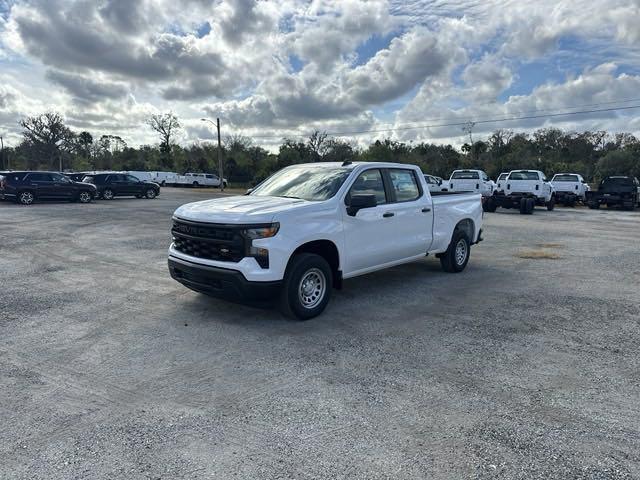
{"type": "Point", "coordinates": [517, 368]}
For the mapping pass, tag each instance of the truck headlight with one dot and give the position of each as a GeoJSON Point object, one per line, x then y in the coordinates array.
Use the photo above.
{"type": "Point", "coordinates": [265, 231]}
{"type": "Point", "coordinates": [260, 254]}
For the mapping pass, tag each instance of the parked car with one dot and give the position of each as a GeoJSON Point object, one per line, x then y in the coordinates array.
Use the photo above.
{"type": "Point", "coordinates": [433, 183]}
{"type": "Point", "coordinates": [75, 176]}
{"type": "Point", "coordinates": [307, 227]}
{"type": "Point", "coordinates": [470, 181]}
{"type": "Point", "coordinates": [112, 185]}
{"type": "Point", "coordinates": [200, 180]}
{"type": "Point", "coordinates": [524, 190]}
{"type": "Point", "coordinates": [500, 182]}
{"type": "Point", "coordinates": [28, 186]}
{"type": "Point", "coordinates": [618, 190]}
{"type": "Point", "coordinates": [569, 188]}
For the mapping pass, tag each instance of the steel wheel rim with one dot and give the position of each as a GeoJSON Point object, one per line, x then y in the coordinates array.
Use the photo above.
{"type": "Point", "coordinates": [26, 197]}
{"type": "Point", "coordinates": [312, 288]}
{"type": "Point", "coordinates": [461, 251]}
{"type": "Point", "coordinates": [85, 197]}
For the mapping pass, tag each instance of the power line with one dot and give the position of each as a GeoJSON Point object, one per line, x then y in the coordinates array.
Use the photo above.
{"type": "Point", "coordinates": [459, 123]}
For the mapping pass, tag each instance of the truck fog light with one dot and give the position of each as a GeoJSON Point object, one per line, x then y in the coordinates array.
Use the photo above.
{"type": "Point", "coordinates": [261, 255]}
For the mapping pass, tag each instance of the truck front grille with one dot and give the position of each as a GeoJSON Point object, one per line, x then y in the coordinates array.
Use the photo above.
{"type": "Point", "coordinates": [209, 241]}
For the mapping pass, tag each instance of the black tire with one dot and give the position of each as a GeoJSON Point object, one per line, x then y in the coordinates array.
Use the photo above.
{"type": "Point", "coordinates": [195, 184]}
{"type": "Point", "coordinates": [593, 206]}
{"type": "Point", "coordinates": [306, 267]}
{"type": "Point", "coordinates": [26, 197]}
{"type": "Point", "coordinates": [524, 206]}
{"type": "Point", "coordinates": [108, 194]}
{"type": "Point", "coordinates": [489, 205]}
{"type": "Point", "coordinates": [450, 260]}
{"type": "Point", "coordinates": [163, 183]}
{"type": "Point", "coordinates": [551, 203]}
{"type": "Point", "coordinates": [139, 195]}
{"type": "Point", "coordinates": [150, 193]}
{"type": "Point", "coordinates": [85, 197]}
{"type": "Point", "coordinates": [531, 206]}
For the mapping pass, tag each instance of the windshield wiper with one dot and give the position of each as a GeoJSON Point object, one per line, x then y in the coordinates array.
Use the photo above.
{"type": "Point", "coordinates": [288, 196]}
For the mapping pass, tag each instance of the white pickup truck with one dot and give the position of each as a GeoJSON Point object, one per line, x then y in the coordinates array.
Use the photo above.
{"type": "Point", "coordinates": [569, 188]}
{"type": "Point", "coordinates": [523, 189]}
{"type": "Point", "coordinates": [303, 230]}
{"type": "Point", "coordinates": [470, 181]}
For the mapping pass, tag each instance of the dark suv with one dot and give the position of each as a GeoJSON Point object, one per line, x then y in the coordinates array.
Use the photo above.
{"type": "Point", "coordinates": [111, 185]}
{"type": "Point", "coordinates": [27, 187]}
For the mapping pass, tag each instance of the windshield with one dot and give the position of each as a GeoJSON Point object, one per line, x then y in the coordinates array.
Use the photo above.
{"type": "Point", "coordinates": [305, 182]}
{"type": "Point", "coordinates": [523, 176]}
{"type": "Point", "coordinates": [465, 175]}
{"type": "Point", "coordinates": [565, 178]}
{"type": "Point", "coordinates": [617, 182]}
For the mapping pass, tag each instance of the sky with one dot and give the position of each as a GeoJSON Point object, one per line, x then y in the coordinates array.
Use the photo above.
{"type": "Point", "coordinates": [408, 70]}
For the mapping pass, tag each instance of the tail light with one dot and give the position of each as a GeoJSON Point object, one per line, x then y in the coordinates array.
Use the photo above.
{"type": "Point", "coordinates": [477, 186]}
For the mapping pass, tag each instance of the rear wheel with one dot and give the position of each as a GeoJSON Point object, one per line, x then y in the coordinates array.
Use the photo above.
{"type": "Point", "coordinates": [26, 198]}
{"type": "Point", "coordinates": [150, 193]}
{"type": "Point", "coordinates": [489, 205]}
{"type": "Point", "coordinates": [195, 184]}
{"type": "Point", "coordinates": [108, 194]}
{"type": "Point", "coordinates": [307, 286]}
{"type": "Point", "coordinates": [85, 197]}
{"type": "Point", "coordinates": [524, 206]}
{"type": "Point", "coordinates": [456, 257]}
{"type": "Point", "coordinates": [593, 205]}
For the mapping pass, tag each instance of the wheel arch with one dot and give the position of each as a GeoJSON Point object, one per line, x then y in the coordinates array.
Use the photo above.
{"type": "Point", "coordinates": [468, 226]}
{"type": "Point", "coordinates": [328, 250]}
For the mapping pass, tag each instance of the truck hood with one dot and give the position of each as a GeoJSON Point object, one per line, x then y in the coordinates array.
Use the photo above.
{"type": "Point", "coordinates": [243, 209]}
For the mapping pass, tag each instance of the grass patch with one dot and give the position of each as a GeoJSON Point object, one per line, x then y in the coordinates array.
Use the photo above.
{"type": "Point", "coordinates": [538, 255]}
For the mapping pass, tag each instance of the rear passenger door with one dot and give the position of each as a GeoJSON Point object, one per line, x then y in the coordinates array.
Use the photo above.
{"type": "Point", "coordinates": [412, 213]}
{"type": "Point", "coordinates": [62, 186]}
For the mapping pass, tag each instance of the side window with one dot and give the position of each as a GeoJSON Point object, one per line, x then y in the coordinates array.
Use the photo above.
{"type": "Point", "coordinates": [39, 177]}
{"type": "Point", "coordinates": [404, 184]}
{"type": "Point", "coordinates": [369, 183]}
{"type": "Point", "coordinates": [131, 178]}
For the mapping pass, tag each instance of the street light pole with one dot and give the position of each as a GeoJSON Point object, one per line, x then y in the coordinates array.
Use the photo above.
{"type": "Point", "coordinates": [220, 166]}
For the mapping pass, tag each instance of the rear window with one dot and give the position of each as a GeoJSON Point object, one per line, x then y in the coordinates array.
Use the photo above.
{"type": "Point", "coordinates": [464, 175]}
{"type": "Point", "coordinates": [523, 176]}
{"type": "Point", "coordinates": [618, 182]}
{"type": "Point", "coordinates": [565, 178]}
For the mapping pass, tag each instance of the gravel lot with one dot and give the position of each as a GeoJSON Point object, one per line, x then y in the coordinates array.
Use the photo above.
{"type": "Point", "coordinates": [517, 368]}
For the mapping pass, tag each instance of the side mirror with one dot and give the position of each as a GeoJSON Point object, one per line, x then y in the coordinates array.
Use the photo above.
{"type": "Point", "coordinates": [358, 202]}
{"type": "Point", "coordinates": [439, 182]}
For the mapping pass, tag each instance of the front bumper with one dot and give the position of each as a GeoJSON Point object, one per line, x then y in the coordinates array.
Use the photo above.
{"type": "Point", "coordinates": [221, 282]}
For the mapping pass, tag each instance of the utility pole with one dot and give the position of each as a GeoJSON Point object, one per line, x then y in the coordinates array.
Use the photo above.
{"type": "Point", "coordinates": [220, 166]}
{"type": "Point", "coordinates": [220, 157]}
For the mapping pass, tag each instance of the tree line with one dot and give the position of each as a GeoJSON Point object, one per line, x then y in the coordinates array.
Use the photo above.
{"type": "Point", "coordinates": [48, 144]}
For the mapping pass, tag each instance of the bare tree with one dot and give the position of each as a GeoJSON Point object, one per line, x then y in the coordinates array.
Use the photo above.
{"type": "Point", "coordinates": [318, 144]}
{"type": "Point", "coordinates": [48, 136]}
{"type": "Point", "coordinates": [237, 142]}
{"type": "Point", "coordinates": [167, 126]}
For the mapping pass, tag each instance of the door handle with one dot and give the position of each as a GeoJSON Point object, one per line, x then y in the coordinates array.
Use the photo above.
{"type": "Point", "coordinates": [388, 214]}
{"type": "Point", "coordinates": [426, 210]}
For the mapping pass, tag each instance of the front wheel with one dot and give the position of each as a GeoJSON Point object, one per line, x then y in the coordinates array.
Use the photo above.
{"type": "Point", "coordinates": [456, 257]}
{"type": "Point", "coordinates": [307, 286]}
{"type": "Point", "coordinates": [551, 203]}
{"type": "Point", "coordinates": [150, 193]}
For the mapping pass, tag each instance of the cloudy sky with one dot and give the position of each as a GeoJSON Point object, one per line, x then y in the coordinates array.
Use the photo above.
{"type": "Point", "coordinates": [286, 67]}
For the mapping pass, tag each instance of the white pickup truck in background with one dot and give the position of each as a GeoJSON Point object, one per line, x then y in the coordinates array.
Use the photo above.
{"type": "Point", "coordinates": [523, 189]}
{"type": "Point", "coordinates": [303, 230]}
{"type": "Point", "coordinates": [199, 180]}
{"type": "Point", "coordinates": [569, 188]}
{"type": "Point", "coordinates": [500, 182]}
{"type": "Point", "coordinates": [470, 181]}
